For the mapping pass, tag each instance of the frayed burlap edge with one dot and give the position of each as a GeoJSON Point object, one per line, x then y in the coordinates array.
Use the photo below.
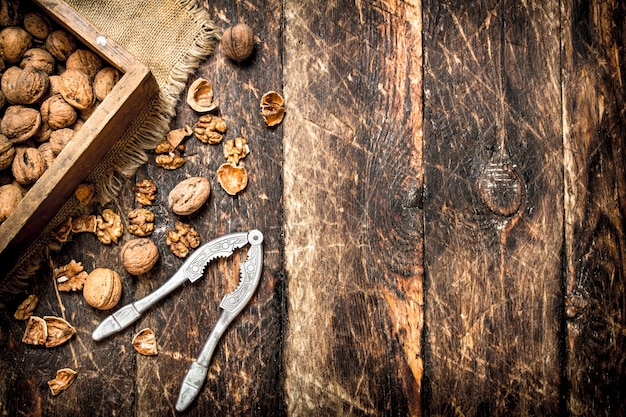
{"type": "Point", "coordinates": [124, 158]}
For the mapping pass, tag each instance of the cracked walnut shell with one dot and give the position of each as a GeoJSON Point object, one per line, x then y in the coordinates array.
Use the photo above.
{"type": "Point", "coordinates": [59, 331]}
{"type": "Point", "coordinates": [64, 378]}
{"type": "Point", "coordinates": [103, 288]}
{"type": "Point", "coordinates": [26, 308]}
{"type": "Point", "coordinates": [36, 331]}
{"type": "Point", "coordinates": [144, 342]}
{"type": "Point", "coordinates": [233, 179]}
{"type": "Point", "coordinates": [139, 255]}
{"type": "Point", "coordinates": [200, 96]}
{"type": "Point", "coordinates": [272, 108]}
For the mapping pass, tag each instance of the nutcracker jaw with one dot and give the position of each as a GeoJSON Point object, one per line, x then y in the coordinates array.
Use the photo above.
{"type": "Point", "coordinates": [232, 304]}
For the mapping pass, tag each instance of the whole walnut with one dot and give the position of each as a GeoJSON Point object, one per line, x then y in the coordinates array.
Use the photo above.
{"type": "Point", "coordinates": [28, 165]}
{"type": "Point", "coordinates": [9, 13]}
{"type": "Point", "coordinates": [38, 58]}
{"type": "Point", "coordinates": [84, 60]}
{"type": "Point", "coordinates": [103, 288]}
{"type": "Point", "coordinates": [48, 155]}
{"type": "Point", "coordinates": [37, 25]}
{"type": "Point", "coordinates": [238, 42]}
{"type": "Point", "coordinates": [24, 86]}
{"type": "Point", "coordinates": [10, 197]}
{"type": "Point", "coordinates": [139, 255]}
{"type": "Point", "coordinates": [20, 123]}
{"type": "Point", "coordinates": [60, 138]}
{"type": "Point", "coordinates": [14, 41]}
{"type": "Point", "coordinates": [7, 152]}
{"type": "Point", "coordinates": [104, 81]}
{"type": "Point", "coordinates": [76, 89]}
{"type": "Point", "coordinates": [57, 112]}
{"type": "Point", "coordinates": [60, 44]}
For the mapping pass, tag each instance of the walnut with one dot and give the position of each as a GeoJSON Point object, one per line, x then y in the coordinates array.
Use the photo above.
{"type": "Point", "coordinates": [10, 197]}
{"type": "Point", "coordinates": [60, 44]}
{"type": "Point", "coordinates": [139, 255]}
{"type": "Point", "coordinates": [238, 42]}
{"type": "Point", "coordinates": [40, 59]}
{"type": "Point", "coordinates": [145, 191]}
{"type": "Point", "coordinates": [236, 149]}
{"type": "Point", "coordinates": [43, 134]}
{"type": "Point", "coordinates": [141, 222]}
{"type": "Point", "coordinates": [176, 136]}
{"type": "Point", "coordinates": [55, 82]}
{"type": "Point", "coordinates": [26, 307]}
{"type": "Point", "coordinates": [59, 331]}
{"type": "Point", "coordinates": [70, 277]}
{"type": "Point", "coordinates": [60, 138]}
{"type": "Point", "coordinates": [200, 96]}
{"type": "Point", "coordinates": [104, 81]}
{"type": "Point", "coordinates": [233, 179]}
{"type": "Point", "coordinates": [110, 227]}
{"type": "Point", "coordinates": [9, 13]}
{"type": "Point", "coordinates": [272, 108]}
{"type": "Point", "coordinates": [144, 342]}
{"type": "Point", "coordinates": [14, 41]}
{"type": "Point", "coordinates": [20, 123]}
{"type": "Point", "coordinates": [63, 231]}
{"type": "Point", "coordinates": [76, 89]}
{"type": "Point", "coordinates": [64, 378]}
{"type": "Point", "coordinates": [85, 61]}
{"type": "Point", "coordinates": [209, 129]}
{"type": "Point", "coordinates": [36, 331]}
{"type": "Point", "coordinates": [28, 165]}
{"type": "Point", "coordinates": [84, 193]}
{"type": "Point", "coordinates": [87, 223]}
{"type": "Point", "coordinates": [57, 112]}
{"type": "Point", "coordinates": [24, 86]}
{"type": "Point", "coordinates": [7, 152]}
{"type": "Point", "coordinates": [189, 195]}
{"type": "Point", "coordinates": [103, 288]}
{"type": "Point", "coordinates": [169, 157]}
{"type": "Point", "coordinates": [181, 240]}
{"type": "Point", "coordinates": [37, 25]}
{"type": "Point", "coordinates": [47, 153]}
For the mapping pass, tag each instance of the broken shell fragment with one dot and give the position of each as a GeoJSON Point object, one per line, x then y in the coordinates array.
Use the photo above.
{"type": "Point", "coordinates": [272, 108]}
{"type": "Point", "coordinates": [176, 136]}
{"type": "Point", "coordinates": [200, 96]}
{"type": "Point", "coordinates": [233, 179]}
{"type": "Point", "coordinates": [144, 342]}
{"type": "Point", "coordinates": [64, 378]}
{"type": "Point", "coordinates": [84, 193]}
{"type": "Point", "coordinates": [26, 307]}
{"type": "Point", "coordinates": [59, 331]}
{"type": "Point", "coordinates": [36, 331]}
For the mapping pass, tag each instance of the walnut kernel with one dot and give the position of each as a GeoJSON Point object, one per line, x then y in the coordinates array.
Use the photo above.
{"type": "Point", "coordinates": [209, 129]}
{"type": "Point", "coordinates": [84, 193]}
{"type": "Point", "coordinates": [70, 277]}
{"type": "Point", "coordinates": [145, 192]}
{"type": "Point", "coordinates": [26, 307]}
{"type": "Point", "coordinates": [168, 157]}
{"type": "Point", "coordinates": [236, 149]}
{"type": "Point", "coordinates": [109, 227]}
{"type": "Point", "coordinates": [103, 288]}
{"type": "Point", "coordinates": [182, 240]}
{"type": "Point", "coordinates": [141, 222]}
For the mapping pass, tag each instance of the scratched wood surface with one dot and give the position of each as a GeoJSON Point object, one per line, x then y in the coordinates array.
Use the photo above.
{"type": "Point", "coordinates": [443, 211]}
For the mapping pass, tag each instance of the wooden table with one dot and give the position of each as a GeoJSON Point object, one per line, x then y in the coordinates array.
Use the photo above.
{"type": "Point", "coordinates": [443, 210]}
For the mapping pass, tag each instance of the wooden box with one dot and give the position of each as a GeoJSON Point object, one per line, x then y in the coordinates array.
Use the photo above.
{"type": "Point", "coordinates": [101, 130]}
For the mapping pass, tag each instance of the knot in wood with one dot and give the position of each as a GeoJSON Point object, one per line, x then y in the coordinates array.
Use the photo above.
{"type": "Point", "coordinates": [501, 188]}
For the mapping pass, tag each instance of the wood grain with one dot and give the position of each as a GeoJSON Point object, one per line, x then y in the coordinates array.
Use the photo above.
{"type": "Point", "coordinates": [353, 222]}
{"type": "Point", "coordinates": [595, 202]}
{"type": "Point", "coordinates": [493, 208]}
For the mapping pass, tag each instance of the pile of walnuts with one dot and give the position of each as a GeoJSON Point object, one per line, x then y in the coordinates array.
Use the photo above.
{"type": "Point", "coordinates": [50, 84]}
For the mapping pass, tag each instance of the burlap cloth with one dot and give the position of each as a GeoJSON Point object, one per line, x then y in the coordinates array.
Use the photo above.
{"type": "Point", "coordinates": [171, 37]}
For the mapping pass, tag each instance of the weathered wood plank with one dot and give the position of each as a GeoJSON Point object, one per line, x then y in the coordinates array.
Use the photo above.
{"type": "Point", "coordinates": [493, 211]}
{"type": "Point", "coordinates": [352, 208]}
{"type": "Point", "coordinates": [595, 202]}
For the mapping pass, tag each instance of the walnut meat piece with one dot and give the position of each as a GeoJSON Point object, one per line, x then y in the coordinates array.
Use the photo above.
{"type": "Point", "coordinates": [200, 96]}
{"type": "Point", "coordinates": [209, 129]}
{"type": "Point", "coordinates": [85, 61]}
{"type": "Point", "coordinates": [145, 192]}
{"type": "Point", "coordinates": [189, 195]}
{"type": "Point", "coordinates": [28, 165]}
{"type": "Point", "coordinates": [70, 277]}
{"type": "Point", "coordinates": [141, 222]}
{"type": "Point", "coordinates": [139, 255]}
{"type": "Point", "coordinates": [38, 58]}
{"type": "Point", "coordinates": [109, 227]}
{"type": "Point", "coordinates": [272, 108]}
{"type": "Point", "coordinates": [103, 288]}
{"type": "Point", "coordinates": [59, 331]}
{"type": "Point", "coordinates": [60, 44]}
{"type": "Point", "coordinates": [104, 82]}
{"type": "Point", "coordinates": [14, 41]}
{"type": "Point", "coordinates": [144, 342]}
{"type": "Point", "coordinates": [10, 197]}
{"type": "Point", "coordinates": [182, 240]}
{"type": "Point", "coordinates": [57, 112]}
{"type": "Point", "coordinates": [168, 157]}
{"type": "Point", "coordinates": [64, 378]}
{"type": "Point", "coordinates": [37, 25]}
{"type": "Point", "coordinates": [26, 308]}
{"type": "Point", "coordinates": [236, 149]}
{"type": "Point", "coordinates": [7, 152]}
{"type": "Point", "coordinates": [20, 123]}
{"type": "Point", "coordinates": [62, 233]}
{"type": "Point", "coordinates": [233, 179]}
{"type": "Point", "coordinates": [36, 331]}
{"type": "Point", "coordinates": [75, 87]}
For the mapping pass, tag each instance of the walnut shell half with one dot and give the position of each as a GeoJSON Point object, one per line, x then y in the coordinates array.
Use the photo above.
{"type": "Point", "coordinates": [233, 179]}
{"type": "Point", "coordinates": [64, 378]}
{"type": "Point", "coordinates": [144, 342]}
{"type": "Point", "coordinates": [200, 96]}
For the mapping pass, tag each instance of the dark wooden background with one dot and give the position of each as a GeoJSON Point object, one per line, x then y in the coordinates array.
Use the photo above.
{"type": "Point", "coordinates": [443, 210]}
